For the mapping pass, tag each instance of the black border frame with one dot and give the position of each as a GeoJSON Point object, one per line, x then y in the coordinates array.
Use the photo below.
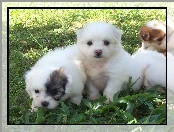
{"type": "Point", "coordinates": [8, 70]}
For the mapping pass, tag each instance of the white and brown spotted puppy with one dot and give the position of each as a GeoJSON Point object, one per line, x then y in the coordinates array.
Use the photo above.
{"type": "Point", "coordinates": [107, 65]}
{"type": "Point", "coordinates": [57, 75]}
{"type": "Point", "coordinates": [153, 35]}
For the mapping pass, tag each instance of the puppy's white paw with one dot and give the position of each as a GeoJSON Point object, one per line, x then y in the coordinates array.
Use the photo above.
{"type": "Point", "coordinates": [107, 101]}
{"type": "Point", "coordinates": [76, 100]}
{"type": "Point", "coordinates": [34, 109]}
{"type": "Point", "coordinates": [109, 96]}
{"type": "Point", "coordinates": [93, 92]}
{"type": "Point", "coordinates": [94, 96]}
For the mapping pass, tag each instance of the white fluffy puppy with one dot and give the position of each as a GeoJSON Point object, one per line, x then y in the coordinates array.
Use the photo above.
{"type": "Point", "coordinates": [107, 65]}
{"type": "Point", "coordinates": [170, 75]}
{"type": "Point", "coordinates": [57, 75]}
{"type": "Point", "coordinates": [154, 66]}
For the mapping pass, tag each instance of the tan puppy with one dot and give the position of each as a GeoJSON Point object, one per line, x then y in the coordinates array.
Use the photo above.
{"type": "Point", "coordinates": [153, 36]}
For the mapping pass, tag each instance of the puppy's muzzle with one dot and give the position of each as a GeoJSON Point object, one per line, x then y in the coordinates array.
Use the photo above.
{"type": "Point", "coordinates": [45, 103]}
{"type": "Point", "coordinates": [98, 53]}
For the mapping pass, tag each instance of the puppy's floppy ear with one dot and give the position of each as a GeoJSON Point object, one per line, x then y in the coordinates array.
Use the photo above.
{"type": "Point", "coordinates": [29, 93]}
{"type": "Point", "coordinates": [79, 32]}
{"type": "Point", "coordinates": [61, 70]}
{"type": "Point", "coordinates": [144, 33]}
{"type": "Point", "coordinates": [68, 86]}
{"type": "Point", "coordinates": [59, 77]}
{"type": "Point", "coordinates": [68, 82]}
{"type": "Point", "coordinates": [27, 77]}
{"type": "Point", "coordinates": [145, 36]}
{"type": "Point", "coordinates": [117, 34]}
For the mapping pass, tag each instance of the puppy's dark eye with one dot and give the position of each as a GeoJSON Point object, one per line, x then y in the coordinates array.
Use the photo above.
{"type": "Point", "coordinates": [159, 39]}
{"type": "Point", "coordinates": [36, 91]}
{"type": "Point", "coordinates": [106, 42]}
{"type": "Point", "coordinates": [54, 91]}
{"type": "Point", "coordinates": [89, 43]}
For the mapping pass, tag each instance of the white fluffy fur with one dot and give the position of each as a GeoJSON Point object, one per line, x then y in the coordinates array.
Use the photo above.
{"type": "Point", "coordinates": [110, 72]}
{"type": "Point", "coordinates": [39, 74]}
{"type": "Point", "coordinates": [154, 65]}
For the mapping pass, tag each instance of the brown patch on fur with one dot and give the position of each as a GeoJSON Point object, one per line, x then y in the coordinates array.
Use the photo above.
{"type": "Point", "coordinates": [152, 35]}
{"type": "Point", "coordinates": [162, 51]}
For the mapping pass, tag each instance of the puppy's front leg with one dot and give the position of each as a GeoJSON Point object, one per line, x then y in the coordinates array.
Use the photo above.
{"type": "Point", "coordinates": [113, 86]}
{"type": "Point", "coordinates": [92, 91]}
{"type": "Point", "coordinates": [33, 108]}
{"type": "Point", "coordinates": [76, 99]}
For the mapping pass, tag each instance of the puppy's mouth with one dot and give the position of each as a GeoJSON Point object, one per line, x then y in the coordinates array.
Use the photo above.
{"type": "Point", "coordinates": [96, 56]}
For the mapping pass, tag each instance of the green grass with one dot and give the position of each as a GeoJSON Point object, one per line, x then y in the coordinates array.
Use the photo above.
{"type": "Point", "coordinates": [35, 32]}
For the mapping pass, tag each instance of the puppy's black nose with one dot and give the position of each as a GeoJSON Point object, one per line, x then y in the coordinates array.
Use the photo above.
{"type": "Point", "coordinates": [45, 103]}
{"type": "Point", "coordinates": [98, 53]}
